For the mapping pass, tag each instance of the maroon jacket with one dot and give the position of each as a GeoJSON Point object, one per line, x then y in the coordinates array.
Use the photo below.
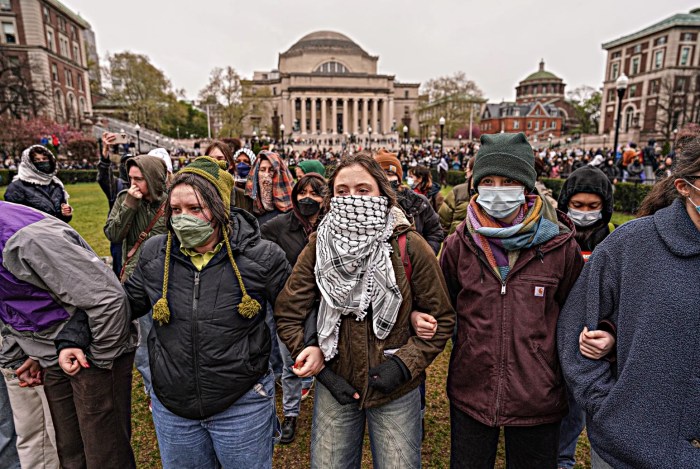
{"type": "Point", "coordinates": [504, 368]}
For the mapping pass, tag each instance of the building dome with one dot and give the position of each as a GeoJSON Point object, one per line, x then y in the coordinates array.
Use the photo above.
{"type": "Point", "coordinates": [325, 41]}
{"type": "Point", "coordinates": [540, 75]}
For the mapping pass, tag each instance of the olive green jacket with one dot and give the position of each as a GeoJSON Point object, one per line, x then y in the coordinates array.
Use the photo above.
{"type": "Point", "coordinates": [454, 209]}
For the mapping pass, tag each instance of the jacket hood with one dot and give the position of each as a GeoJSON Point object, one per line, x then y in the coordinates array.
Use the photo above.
{"type": "Point", "coordinates": [677, 230]}
{"type": "Point", "coordinates": [592, 181]}
{"type": "Point", "coordinates": [154, 172]}
{"type": "Point", "coordinates": [245, 229]}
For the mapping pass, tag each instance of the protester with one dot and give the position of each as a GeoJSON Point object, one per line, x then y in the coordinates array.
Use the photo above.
{"type": "Point", "coordinates": [421, 181]}
{"type": "Point", "coordinates": [587, 195]}
{"type": "Point", "coordinates": [508, 273]}
{"type": "Point", "coordinates": [36, 184]}
{"type": "Point", "coordinates": [416, 206]}
{"type": "Point", "coordinates": [642, 280]}
{"type": "Point", "coordinates": [209, 279]}
{"type": "Point", "coordinates": [88, 386]}
{"type": "Point", "coordinates": [269, 187]}
{"type": "Point", "coordinates": [453, 210]}
{"type": "Point", "coordinates": [354, 265]}
{"type": "Point", "coordinates": [136, 215]}
{"type": "Point", "coordinates": [290, 231]}
{"type": "Point", "coordinates": [310, 166]}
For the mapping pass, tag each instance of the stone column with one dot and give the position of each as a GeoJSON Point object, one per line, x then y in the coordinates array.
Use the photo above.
{"type": "Point", "coordinates": [303, 115]}
{"type": "Point", "coordinates": [392, 116]}
{"type": "Point", "coordinates": [365, 112]}
{"type": "Point", "coordinates": [355, 111]}
{"type": "Point", "coordinates": [375, 114]}
{"type": "Point", "coordinates": [345, 116]}
{"type": "Point", "coordinates": [334, 115]}
{"type": "Point", "coordinates": [324, 123]}
{"type": "Point", "coordinates": [313, 116]}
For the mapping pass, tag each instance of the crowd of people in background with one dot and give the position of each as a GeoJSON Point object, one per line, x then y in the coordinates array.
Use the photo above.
{"type": "Point", "coordinates": [347, 272]}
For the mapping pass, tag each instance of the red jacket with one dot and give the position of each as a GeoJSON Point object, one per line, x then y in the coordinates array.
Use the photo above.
{"type": "Point", "coordinates": [504, 368]}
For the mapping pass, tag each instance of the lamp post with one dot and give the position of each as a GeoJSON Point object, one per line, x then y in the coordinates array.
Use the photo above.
{"type": "Point", "coordinates": [369, 131]}
{"type": "Point", "coordinates": [405, 139]}
{"type": "Point", "coordinates": [442, 130]}
{"type": "Point", "coordinates": [621, 85]}
{"type": "Point", "coordinates": [137, 128]}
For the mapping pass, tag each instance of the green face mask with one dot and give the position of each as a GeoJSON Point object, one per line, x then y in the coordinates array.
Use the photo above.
{"type": "Point", "coordinates": [191, 231]}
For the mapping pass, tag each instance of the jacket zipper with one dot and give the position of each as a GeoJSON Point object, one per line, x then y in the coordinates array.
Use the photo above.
{"type": "Point", "coordinates": [195, 345]}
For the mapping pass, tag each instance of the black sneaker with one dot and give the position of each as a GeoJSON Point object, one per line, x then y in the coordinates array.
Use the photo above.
{"type": "Point", "coordinates": [289, 426]}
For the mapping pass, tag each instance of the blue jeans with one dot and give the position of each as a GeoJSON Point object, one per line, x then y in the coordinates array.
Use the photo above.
{"type": "Point", "coordinates": [291, 384]}
{"type": "Point", "coordinates": [239, 437]}
{"type": "Point", "coordinates": [141, 360]}
{"type": "Point", "coordinates": [337, 432]}
{"type": "Point", "coordinates": [275, 352]}
{"type": "Point", "coordinates": [570, 430]}
{"type": "Point", "coordinates": [8, 439]}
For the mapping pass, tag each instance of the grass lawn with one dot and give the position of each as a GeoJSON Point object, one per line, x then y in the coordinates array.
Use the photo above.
{"type": "Point", "coordinates": [90, 207]}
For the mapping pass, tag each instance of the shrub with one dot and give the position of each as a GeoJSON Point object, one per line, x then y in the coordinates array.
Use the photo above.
{"type": "Point", "coordinates": [453, 177]}
{"type": "Point", "coordinates": [82, 148]}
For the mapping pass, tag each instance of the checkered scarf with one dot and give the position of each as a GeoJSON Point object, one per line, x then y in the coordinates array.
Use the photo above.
{"type": "Point", "coordinates": [353, 268]}
{"type": "Point", "coordinates": [282, 183]}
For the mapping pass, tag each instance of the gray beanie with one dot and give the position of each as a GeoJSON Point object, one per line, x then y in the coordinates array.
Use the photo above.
{"type": "Point", "coordinates": [507, 155]}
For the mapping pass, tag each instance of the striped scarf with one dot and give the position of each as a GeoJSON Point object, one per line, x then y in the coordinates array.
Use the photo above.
{"type": "Point", "coordinates": [353, 267]}
{"type": "Point", "coordinates": [282, 183]}
{"type": "Point", "coordinates": [535, 224]}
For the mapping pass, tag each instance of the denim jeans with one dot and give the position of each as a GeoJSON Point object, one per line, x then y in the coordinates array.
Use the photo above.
{"type": "Point", "coordinates": [291, 384]}
{"type": "Point", "coordinates": [570, 430]}
{"type": "Point", "coordinates": [241, 436]}
{"type": "Point", "coordinates": [8, 439]}
{"type": "Point", "coordinates": [141, 360]}
{"type": "Point", "coordinates": [473, 444]}
{"type": "Point", "coordinates": [275, 352]}
{"type": "Point", "coordinates": [337, 432]}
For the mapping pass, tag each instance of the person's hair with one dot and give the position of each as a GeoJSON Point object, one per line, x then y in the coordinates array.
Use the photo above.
{"type": "Point", "coordinates": [39, 150]}
{"type": "Point", "coordinates": [423, 173]}
{"type": "Point", "coordinates": [207, 196]}
{"type": "Point", "coordinates": [234, 143]}
{"type": "Point", "coordinates": [470, 163]}
{"type": "Point", "coordinates": [224, 148]}
{"type": "Point", "coordinates": [365, 161]}
{"type": "Point", "coordinates": [319, 186]}
{"type": "Point", "coordinates": [686, 163]}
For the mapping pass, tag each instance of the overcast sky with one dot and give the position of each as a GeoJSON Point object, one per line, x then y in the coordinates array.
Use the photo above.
{"type": "Point", "coordinates": [497, 42]}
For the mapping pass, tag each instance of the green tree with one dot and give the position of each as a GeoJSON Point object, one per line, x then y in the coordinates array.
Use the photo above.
{"type": "Point", "coordinates": [143, 90]}
{"type": "Point", "coordinates": [453, 97]}
{"type": "Point", "coordinates": [185, 117]}
{"type": "Point", "coordinates": [585, 101]}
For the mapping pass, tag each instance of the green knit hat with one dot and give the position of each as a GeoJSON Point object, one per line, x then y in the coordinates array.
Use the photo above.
{"type": "Point", "coordinates": [215, 172]}
{"type": "Point", "coordinates": [312, 166]}
{"type": "Point", "coordinates": [507, 155]}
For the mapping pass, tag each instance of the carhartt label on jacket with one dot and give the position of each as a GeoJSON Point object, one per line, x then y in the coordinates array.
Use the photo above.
{"type": "Point", "coordinates": [539, 291]}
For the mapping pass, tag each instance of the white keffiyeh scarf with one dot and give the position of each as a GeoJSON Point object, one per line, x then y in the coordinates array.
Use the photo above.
{"type": "Point", "coordinates": [353, 268]}
{"type": "Point", "coordinates": [27, 172]}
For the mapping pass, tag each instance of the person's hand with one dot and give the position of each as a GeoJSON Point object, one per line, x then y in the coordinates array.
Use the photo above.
{"type": "Point", "coordinates": [108, 139]}
{"type": "Point", "coordinates": [66, 210]}
{"type": "Point", "coordinates": [29, 374]}
{"type": "Point", "coordinates": [388, 376]}
{"type": "Point", "coordinates": [424, 324]}
{"type": "Point", "coordinates": [338, 387]}
{"type": "Point", "coordinates": [595, 344]}
{"type": "Point", "coordinates": [71, 360]}
{"type": "Point", "coordinates": [135, 192]}
{"type": "Point", "coordinates": [309, 362]}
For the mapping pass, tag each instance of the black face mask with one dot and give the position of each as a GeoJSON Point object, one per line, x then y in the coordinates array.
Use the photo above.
{"type": "Point", "coordinates": [395, 185]}
{"type": "Point", "coordinates": [308, 206]}
{"type": "Point", "coordinates": [44, 167]}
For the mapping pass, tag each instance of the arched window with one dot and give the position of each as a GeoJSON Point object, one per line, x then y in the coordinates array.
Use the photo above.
{"type": "Point", "coordinates": [59, 105]}
{"type": "Point", "coordinates": [629, 118]}
{"type": "Point", "coordinates": [72, 110]}
{"type": "Point", "coordinates": [332, 67]}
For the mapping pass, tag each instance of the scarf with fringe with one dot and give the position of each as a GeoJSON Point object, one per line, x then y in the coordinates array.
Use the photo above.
{"type": "Point", "coordinates": [27, 172]}
{"type": "Point", "coordinates": [282, 183]}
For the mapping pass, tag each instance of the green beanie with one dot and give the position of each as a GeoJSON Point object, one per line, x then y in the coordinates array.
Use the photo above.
{"type": "Point", "coordinates": [312, 166]}
{"type": "Point", "coordinates": [507, 155]}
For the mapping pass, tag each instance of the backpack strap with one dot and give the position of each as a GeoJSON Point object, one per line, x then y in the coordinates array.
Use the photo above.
{"type": "Point", "coordinates": [405, 259]}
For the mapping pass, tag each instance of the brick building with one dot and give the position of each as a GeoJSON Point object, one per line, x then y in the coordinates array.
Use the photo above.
{"type": "Point", "coordinates": [50, 38]}
{"type": "Point", "coordinates": [662, 62]}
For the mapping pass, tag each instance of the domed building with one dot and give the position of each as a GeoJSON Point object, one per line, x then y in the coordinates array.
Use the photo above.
{"type": "Point", "coordinates": [540, 108]}
{"type": "Point", "coordinates": [325, 84]}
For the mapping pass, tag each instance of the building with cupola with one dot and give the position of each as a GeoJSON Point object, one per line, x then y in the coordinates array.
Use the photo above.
{"type": "Point", "coordinates": [325, 84]}
{"type": "Point", "coordinates": [540, 109]}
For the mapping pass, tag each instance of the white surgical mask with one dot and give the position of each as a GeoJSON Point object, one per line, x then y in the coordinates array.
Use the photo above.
{"type": "Point", "coordinates": [410, 181]}
{"type": "Point", "coordinates": [583, 219]}
{"type": "Point", "coordinates": [500, 202]}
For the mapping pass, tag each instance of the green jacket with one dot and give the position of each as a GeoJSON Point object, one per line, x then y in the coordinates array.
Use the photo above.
{"type": "Point", "coordinates": [454, 209]}
{"type": "Point", "coordinates": [130, 216]}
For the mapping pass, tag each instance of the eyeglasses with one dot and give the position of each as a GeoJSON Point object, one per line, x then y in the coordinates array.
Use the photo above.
{"type": "Point", "coordinates": [692, 178]}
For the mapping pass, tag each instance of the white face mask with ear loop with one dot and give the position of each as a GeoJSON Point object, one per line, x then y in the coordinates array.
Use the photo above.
{"type": "Point", "coordinates": [697, 207]}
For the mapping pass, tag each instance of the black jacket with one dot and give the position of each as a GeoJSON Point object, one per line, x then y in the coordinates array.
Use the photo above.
{"type": "Point", "coordinates": [47, 199]}
{"type": "Point", "coordinates": [208, 355]}
{"type": "Point", "coordinates": [424, 217]}
{"type": "Point", "coordinates": [287, 232]}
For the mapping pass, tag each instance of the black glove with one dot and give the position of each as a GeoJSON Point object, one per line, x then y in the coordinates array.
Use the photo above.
{"type": "Point", "coordinates": [389, 375]}
{"type": "Point", "coordinates": [338, 387]}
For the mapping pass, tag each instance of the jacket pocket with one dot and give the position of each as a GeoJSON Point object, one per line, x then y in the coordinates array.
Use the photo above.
{"type": "Point", "coordinates": [549, 370]}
